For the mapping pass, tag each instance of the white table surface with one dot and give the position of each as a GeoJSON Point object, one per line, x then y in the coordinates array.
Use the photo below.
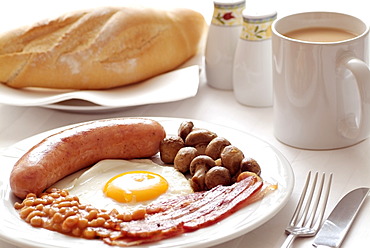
{"type": "Point", "coordinates": [350, 166]}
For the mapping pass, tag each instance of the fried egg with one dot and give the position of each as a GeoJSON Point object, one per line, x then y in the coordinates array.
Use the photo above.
{"type": "Point", "coordinates": [125, 185]}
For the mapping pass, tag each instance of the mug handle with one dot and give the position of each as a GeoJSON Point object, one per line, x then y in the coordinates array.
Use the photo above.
{"type": "Point", "coordinates": [361, 72]}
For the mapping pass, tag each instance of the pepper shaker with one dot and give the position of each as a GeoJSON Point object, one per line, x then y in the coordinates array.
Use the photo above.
{"type": "Point", "coordinates": [252, 67]}
{"type": "Point", "coordinates": [221, 42]}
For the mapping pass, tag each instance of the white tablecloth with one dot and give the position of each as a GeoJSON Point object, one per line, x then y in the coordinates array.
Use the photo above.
{"type": "Point", "coordinates": [350, 166]}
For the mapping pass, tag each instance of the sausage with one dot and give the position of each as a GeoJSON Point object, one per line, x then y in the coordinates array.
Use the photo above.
{"type": "Point", "coordinates": [80, 146]}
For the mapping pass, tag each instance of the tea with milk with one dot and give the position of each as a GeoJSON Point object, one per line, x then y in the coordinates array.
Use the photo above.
{"type": "Point", "coordinates": [320, 34]}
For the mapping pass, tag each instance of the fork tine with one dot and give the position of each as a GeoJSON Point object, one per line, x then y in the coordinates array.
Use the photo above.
{"type": "Point", "coordinates": [322, 208]}
{"type": "Point", "coordinates": [316, 201]}
{"type": "Point", "coordinates": [300, 202]}
{"type": "Point", "coordinates": [303, 220]}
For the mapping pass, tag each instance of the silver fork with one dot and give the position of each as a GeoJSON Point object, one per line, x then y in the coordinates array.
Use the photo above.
{"type": "Point", "coordinates": [310, 209]}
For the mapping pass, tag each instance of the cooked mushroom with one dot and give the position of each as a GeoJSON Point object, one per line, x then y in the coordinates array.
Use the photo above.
{"type": "Point", "coordinates": [185, 128]}
{"type": "Point", "coordinates": [199, 160]}
{"type": "Point", "coordinates": [201, 147]}
{"type": "Point", "coordinates": [169, 147]}
{"type": "Point", "coordinates": [198, 168]}
{"type": "Point", "coordinates": [215, 147]}
{"type": "Point", "coordinates": [184, 157]}
{"type": "Point", "coordinates": [231, 158]}
{"type": "Point", "coordinates": [199, 136]}
{"type": "Point", "coordinates": [249, 164]}
{"type": "Point", "coordinates": [217, 175]}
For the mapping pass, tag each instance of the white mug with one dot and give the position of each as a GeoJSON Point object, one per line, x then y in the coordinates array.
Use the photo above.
{"type": "Point", "coordinates": [321, 89]}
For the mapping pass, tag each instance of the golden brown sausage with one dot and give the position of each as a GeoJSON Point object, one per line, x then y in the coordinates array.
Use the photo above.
{"type": "Point", "coordinates": [78, 147]}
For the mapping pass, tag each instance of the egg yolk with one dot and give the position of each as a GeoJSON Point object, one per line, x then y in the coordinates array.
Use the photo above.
{"type": "Point", "coordinates": [135, 186]}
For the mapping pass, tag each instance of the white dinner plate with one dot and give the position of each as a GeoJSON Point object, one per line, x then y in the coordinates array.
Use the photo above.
{"type": "Point", "coordinates": [168, 87]}
{"type": "Point", "coordinates": [275, 169]}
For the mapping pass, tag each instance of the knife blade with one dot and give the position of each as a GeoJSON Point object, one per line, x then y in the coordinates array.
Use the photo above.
{"type": "Point", "coordinates": [336, 226]}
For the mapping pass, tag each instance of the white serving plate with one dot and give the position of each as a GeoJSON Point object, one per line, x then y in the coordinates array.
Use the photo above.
{"type": "Point", "coordinates": [168, 87]}
{"type": "Point", "coordinates": [275, 169]}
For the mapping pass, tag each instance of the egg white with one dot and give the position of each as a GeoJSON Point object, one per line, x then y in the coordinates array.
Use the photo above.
{"type": "Point", "coordinates": [89, 185]}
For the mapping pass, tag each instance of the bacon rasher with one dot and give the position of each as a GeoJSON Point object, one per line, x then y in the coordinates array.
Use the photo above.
{"type": "Point", "coordinates": [187, 213]}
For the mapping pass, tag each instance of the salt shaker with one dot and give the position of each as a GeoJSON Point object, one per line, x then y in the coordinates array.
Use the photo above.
{"type": "Point", "coordinates": [252, 67]}
{"type": "Point", "coordinates": [221, 42]}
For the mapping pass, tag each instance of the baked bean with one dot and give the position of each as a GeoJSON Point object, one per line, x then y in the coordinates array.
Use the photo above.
{"type": "Point", "coordinates": [104, 215]}
{"type": "Point", "coordinates": [36, 221]}
{"type": "Point", "coordinates": [26, 211]}
{"type": "Point", "coordinates": [63, 193]}
{"type": "Point", "coordinates": [57, 227]}
{"type": "Point", "coordinates": [18, 205]}
{"type": "Point", "coordinates": [52, 211]}
{"type": "Point", "coordinates": [46, 210]}
{"type": "Point", "coordinates": [47, 199]}
{"type": "Point", "coordinates": [69, 213]}
{"type": "Point", "coordinates": [88, 233]}
{"type": "Point", "coordinates": [39, 207]}
{"type": "Point", "coordinates": [119, 216]}
{"type": "Point", "coordinates": [63, 210]}
{"type": "Point", "coordinates": [113, 212]}
{"type": "Point", "coordinates": [74, 209]}
{"type": "Point", "coordinates": [92, 214]}
{"type": "Point", "coordinates": [69, 198]}
{"type": "Point", "coordinates": [57, 218]}
{"type": "Point", "coordinates": [39, 201]}
{"type": "Point", "coordinates": [71, 221]}
{"type": "Point", "coordinates": [76, 232]}
{"type": "Point", "coordinates": [33, 214]}
{"type": "Point", "coordinates": [127, 217]}
{"type": "Point", "coordinates": [64, 204]}
{"type": "Point", "coordinates": [28, 202]}
{"type": "Point", "coordinates": [89, 208]}
{"type": "Point", "coordinates": [82, 207]}
{"type": "Point", "coordinates": [55, 195]}
{"type": "Point", "coordinates": [31, 195]}
{"type": "Point", "coordinates": [110, 225]}
{"type": "Point", "coordinates": [82, 223]}
{"type": "Point", "coordinates": [65, 228]}
{"type": "Point", "coordinates": [138, 214]}
{"type": "Point", "coordinates": [47, 224]}
{"type": "Point", "coordinates": [98, 222]}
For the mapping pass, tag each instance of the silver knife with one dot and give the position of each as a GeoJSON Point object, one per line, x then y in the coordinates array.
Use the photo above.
{"type": "Point", "coordinates": [336, 226]}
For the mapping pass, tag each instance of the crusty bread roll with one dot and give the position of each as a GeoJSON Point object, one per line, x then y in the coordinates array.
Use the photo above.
{"type": "Point", "coordinates": [100, 48]}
